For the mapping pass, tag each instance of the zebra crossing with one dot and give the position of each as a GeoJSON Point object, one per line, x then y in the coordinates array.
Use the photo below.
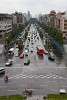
{"type": "Point", "coordinates": [42, 76]}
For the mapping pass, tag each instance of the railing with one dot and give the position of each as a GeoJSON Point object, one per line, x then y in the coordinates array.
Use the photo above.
{"type": "Point", "coordinates": [57, 44]}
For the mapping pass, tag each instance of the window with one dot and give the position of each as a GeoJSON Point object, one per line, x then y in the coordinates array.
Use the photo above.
{"type": "Point", "coordinates": [65, 20]}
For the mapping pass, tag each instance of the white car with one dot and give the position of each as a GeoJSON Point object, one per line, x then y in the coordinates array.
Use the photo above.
{"type": "Point", "coordinates": [9, 62]}
{"type": "Point", "coordinates": [46, 52]}
{"type": "Point", "coordinates": [31, 49]}
{"type": "Point", "coordinates": [26, 52]}
{"type": "Point", "coordinates": [62, 91]}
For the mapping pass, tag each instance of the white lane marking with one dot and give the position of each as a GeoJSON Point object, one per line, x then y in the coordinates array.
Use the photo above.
{"type": "Point", "coordinates": [22, 76]}
{"type": "Point", "coordinates": [32, 76]}
{"type": "Point", "coordinates": [2, 86]}
{"type": "Point", "coordinates": [32, 81]}
{"type": "Point", "coordinates": [41, 76]}
{"type": "Point", "coordinates": [51, 75]}
{"type": "Point", "coordinates": [37, 76]}
{"type": "Point", "coordinates": [53, 90]}
{"type": "Point", "coordinates": [11, 90]}
{"type": "Point", "coordinates": [23, 85]}
{"type": "Point", "coordinates": [15, 76]}
{"type": "Point", "coordinates": [33, 89]}
{"type": "Point", "coordinates": [18, 76]}
{"type": "Point", "coordinates": [25, 77]}
{"type": "Point", "coordinates": [46, 76]}
{"type": "Point", "coordinates": [63, 86]}
{"type": "Point", "coordinates": [57, 77]}
{"type": "Point", "coordinates": [43, 85]}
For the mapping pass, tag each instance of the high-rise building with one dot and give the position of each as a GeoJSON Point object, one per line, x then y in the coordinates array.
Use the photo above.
{"type": "Point", "coordinates": [29, 16]}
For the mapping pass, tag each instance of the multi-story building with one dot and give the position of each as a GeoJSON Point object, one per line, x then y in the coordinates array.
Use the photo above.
{"type": "Point", "coordinates": [44, 19]}
{"type": "Point", "coordinates": [5, 24]}
{"type": "Point", "coordinates": [62, 22]}
{"type": "Point", "coordinates": [53, 19]}
{"type": "Point", "coordinates": [18, 19]}
{"type": "Point", "coordinates": [56, 20]}
{"type": "Point", "coordinates": [23, 19]}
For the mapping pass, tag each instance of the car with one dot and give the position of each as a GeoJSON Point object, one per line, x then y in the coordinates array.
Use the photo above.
{"type": "Point", "coordinates": [46, 52]}
{"type": "Point", "coordinates": [32, 43]}
{"type": "Point", "coordinates": [2, 70]}
{"type": "Point", "coordinates": [27, 45]}
{"type": "Point", "coordinates": [26, 52]}
{"type": "Point", "coordinates": [51, 56]}
{"type": "Point", "coordinates": [27, 42]}
{"type": "Point", "coordinates": [26, 62]}
{"type": "Point", "coordinates": [31, 49]}
{"type": "Point", "coordinates": [62, 91]}
{"type": "Point", "coordinates": [26, 48]}
{"type": "Point", "coordinates": [9, 62]}
{"type": "Point", "coordinates": [31, 37]}
{"type": "Point", "coordinates": [22, 55]}
{"type": "Point", "coordinates": [11, 51]}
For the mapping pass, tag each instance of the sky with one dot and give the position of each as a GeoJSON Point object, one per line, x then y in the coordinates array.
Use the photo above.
{"type": "Point", "coordinates": [34, 6]}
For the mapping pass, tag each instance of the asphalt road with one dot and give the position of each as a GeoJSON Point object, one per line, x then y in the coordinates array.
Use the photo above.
{"type": "Point", "coordinates": [41, 75]}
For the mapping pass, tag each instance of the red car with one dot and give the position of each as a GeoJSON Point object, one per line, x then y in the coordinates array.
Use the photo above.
{"type": "Point", "coordinates": [21, 55]}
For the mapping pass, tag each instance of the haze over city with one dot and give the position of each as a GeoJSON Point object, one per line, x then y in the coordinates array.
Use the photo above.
{"type": "Point", "coordinates": [34, 6]}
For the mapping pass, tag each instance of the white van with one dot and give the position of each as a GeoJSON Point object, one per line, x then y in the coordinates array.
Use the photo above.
{"type": "Point", "coordinates": [62, 91]}
{"type": "Point", "coordinates": [11, 51]}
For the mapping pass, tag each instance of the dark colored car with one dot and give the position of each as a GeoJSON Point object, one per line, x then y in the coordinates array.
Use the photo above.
{"type": "Point", "coordinates": [2, 71]}
{"type": "Point", "coordinates": [51, 56]}
{"type": "Point", "coordinates": [26, 62]}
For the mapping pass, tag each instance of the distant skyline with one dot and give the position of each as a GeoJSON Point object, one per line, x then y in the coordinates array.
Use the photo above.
{"type": "Point", "coordinates": [34, 6]}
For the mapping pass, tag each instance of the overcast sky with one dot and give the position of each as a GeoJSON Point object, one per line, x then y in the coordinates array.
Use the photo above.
{"type": "Point", "coordinates": [34, 6]}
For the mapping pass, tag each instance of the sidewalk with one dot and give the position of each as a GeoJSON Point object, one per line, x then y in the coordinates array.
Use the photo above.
{"type": "Point", "coordinates": [36, 97]}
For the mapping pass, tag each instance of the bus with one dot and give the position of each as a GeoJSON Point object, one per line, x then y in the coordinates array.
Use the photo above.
{"type": "Point", "coordinates": [40, 50]}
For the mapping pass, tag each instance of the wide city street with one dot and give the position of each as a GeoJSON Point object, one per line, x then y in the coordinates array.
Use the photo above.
{"type": "Point", "coordinates": [42, 76]}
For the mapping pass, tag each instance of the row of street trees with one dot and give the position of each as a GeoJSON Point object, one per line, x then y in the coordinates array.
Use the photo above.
{"type": "Point", "coordinates": [20, 44]}
{"type": "Point", "coordinates": [11, 35]}
{"type": "Point", "coordinates": [53, 32]}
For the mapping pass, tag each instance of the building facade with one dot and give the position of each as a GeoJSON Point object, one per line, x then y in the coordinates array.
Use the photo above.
{"type": "Point", "coordinates": [62, 22]}
{"type": "Point", "coordinates": [5, 24]}
{"type": "Point", "coordinates": [18, 19]}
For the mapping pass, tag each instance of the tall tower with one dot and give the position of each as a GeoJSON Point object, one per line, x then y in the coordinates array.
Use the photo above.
{"type": "Point", "coordinates": [28, 16]}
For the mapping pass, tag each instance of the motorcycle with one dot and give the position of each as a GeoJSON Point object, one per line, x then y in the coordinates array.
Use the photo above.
{"type": "Point", "coordinates": [28, 91]}
{"type": "Point", "coordinates": [6, 78]}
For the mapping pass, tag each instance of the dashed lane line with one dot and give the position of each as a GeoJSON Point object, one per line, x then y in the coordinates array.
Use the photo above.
{"type": "Point", "coordinates": [2, 87]}
{"type": "Point", "coordinates": [54, 90]}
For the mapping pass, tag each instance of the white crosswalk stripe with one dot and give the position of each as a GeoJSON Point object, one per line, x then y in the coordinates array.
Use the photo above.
{"type": "Point", "coordinates": [36, 76]}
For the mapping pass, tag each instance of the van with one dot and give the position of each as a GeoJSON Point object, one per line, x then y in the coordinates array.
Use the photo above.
{"type": "Point", "coordinates": [62, 91]}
